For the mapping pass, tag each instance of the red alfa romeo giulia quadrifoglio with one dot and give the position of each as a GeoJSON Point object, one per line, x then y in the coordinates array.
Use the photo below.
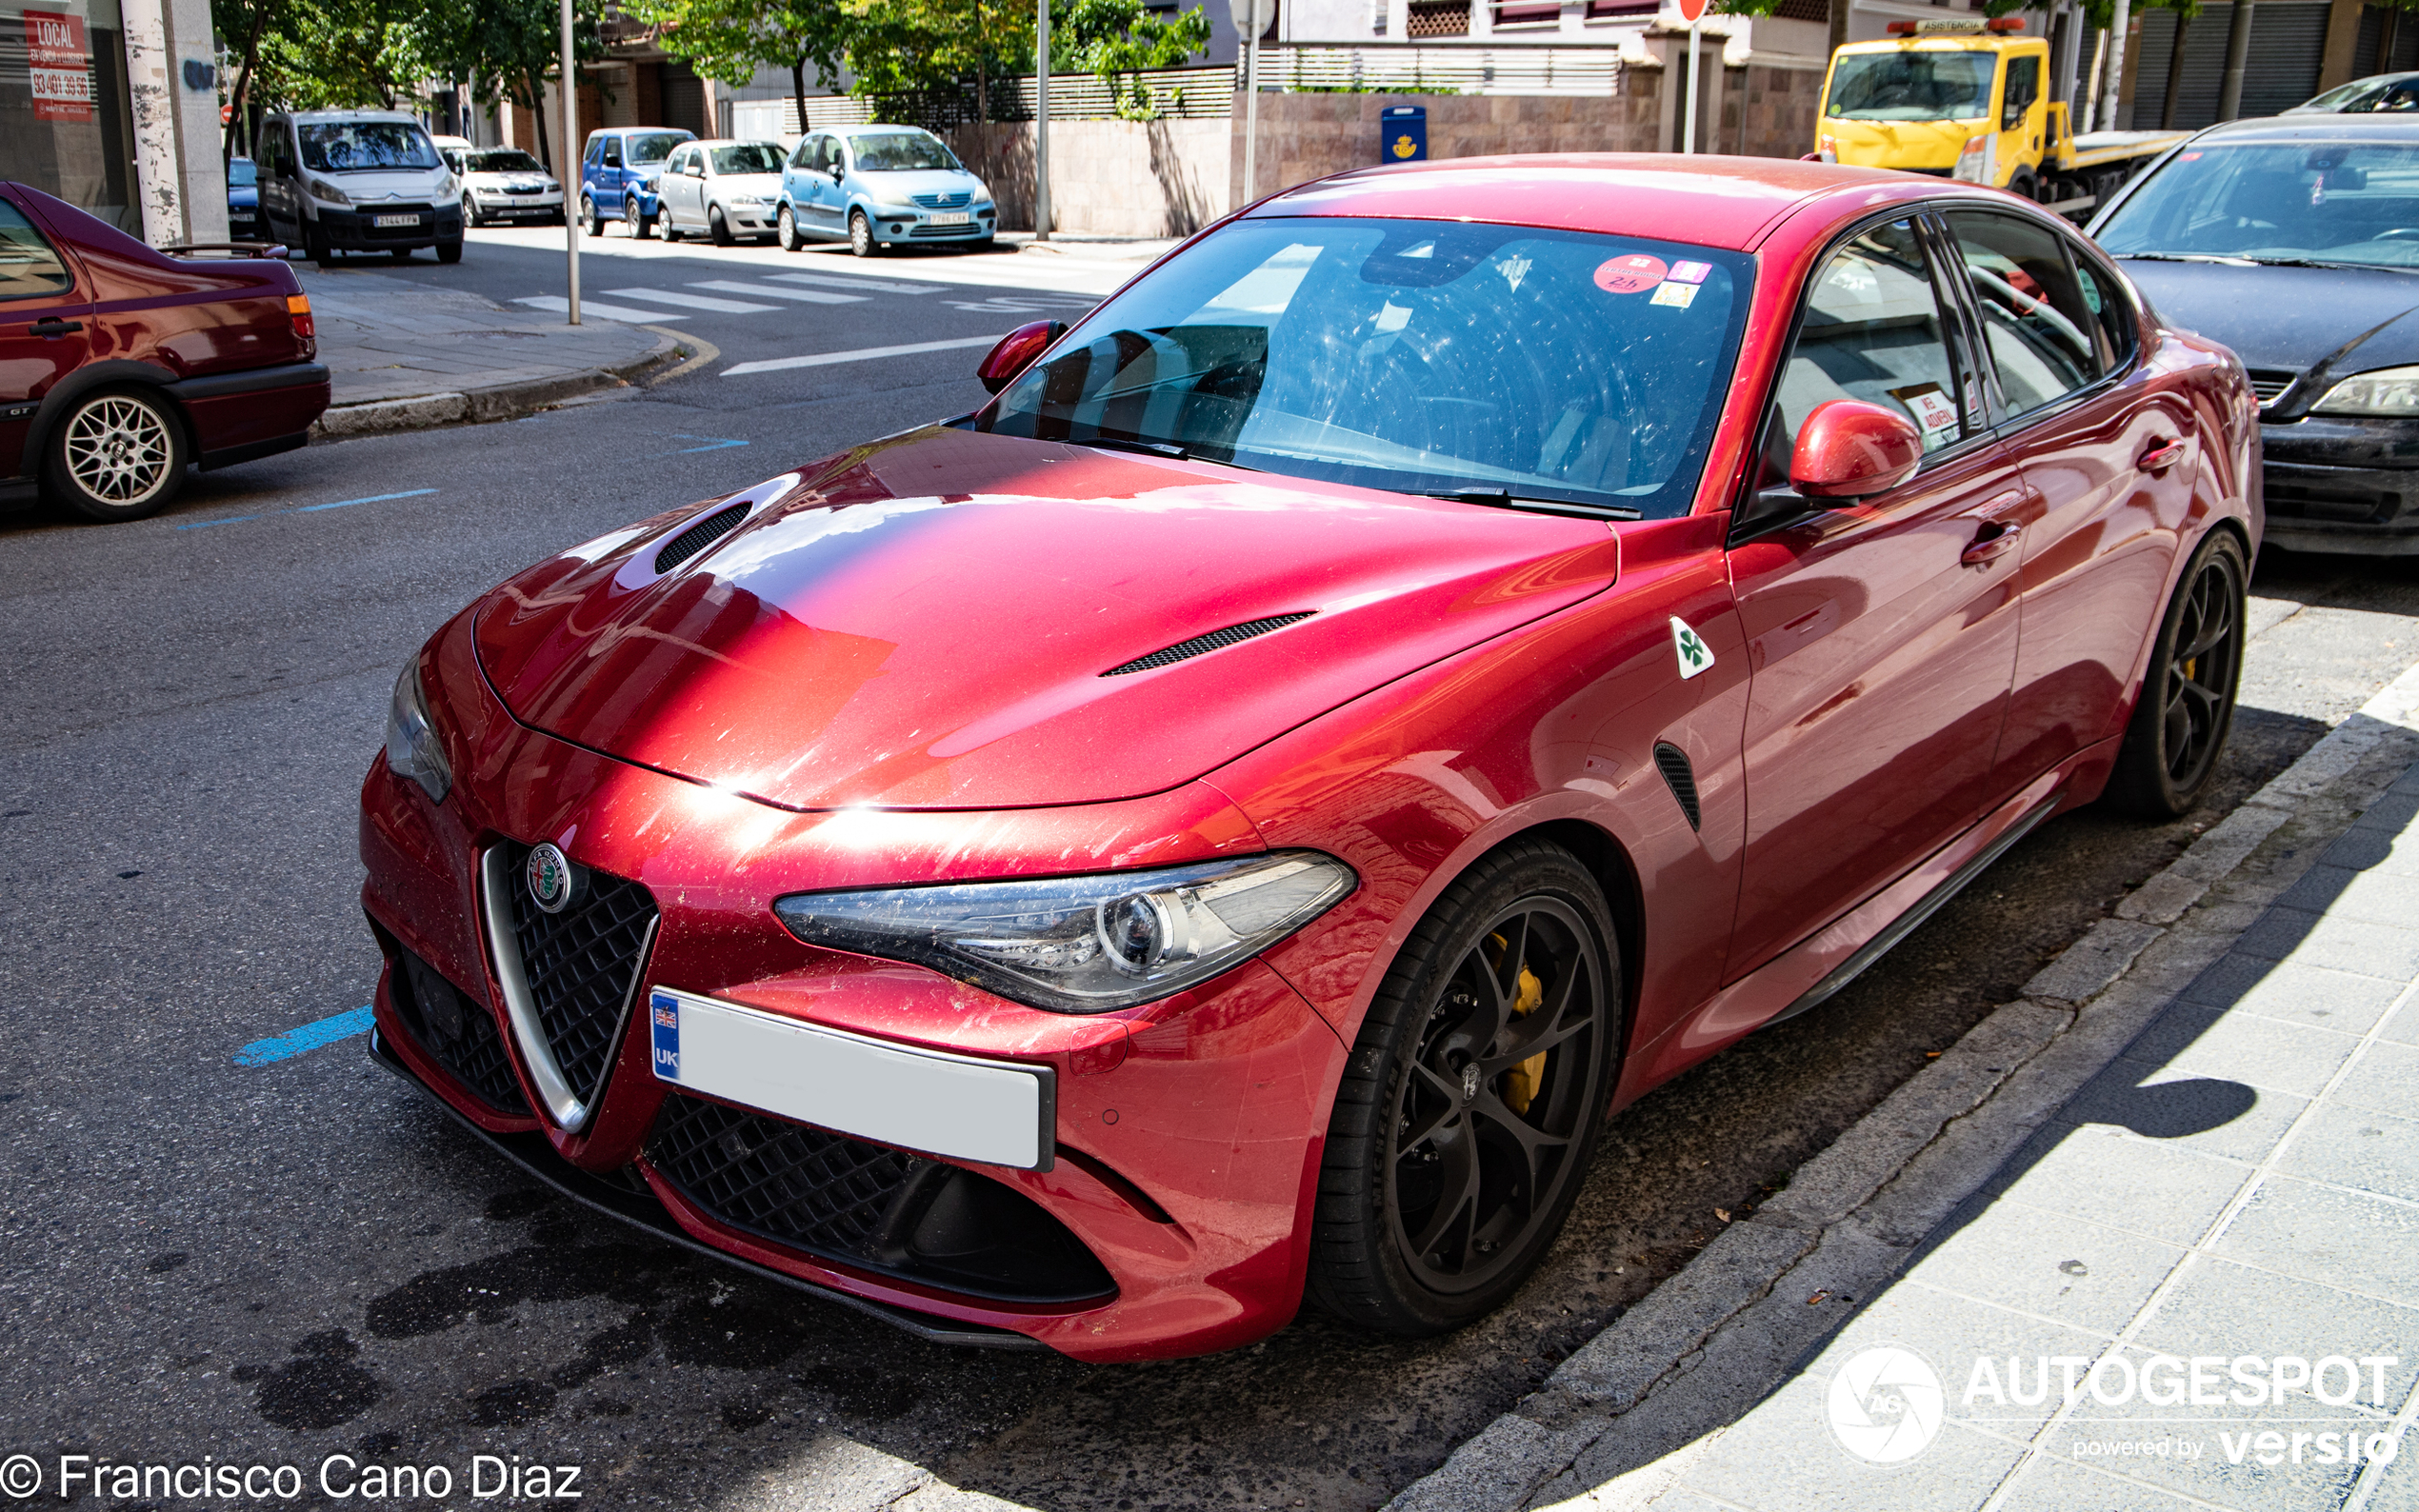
{"type": "Point", "coordinates": [1438, 654]}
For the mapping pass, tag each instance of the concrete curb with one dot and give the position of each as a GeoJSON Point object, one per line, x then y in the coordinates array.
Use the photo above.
{"type": "Point", "coordinates": [496, 402]}
{"type": "Point", "coordinates": [1714, 1338]}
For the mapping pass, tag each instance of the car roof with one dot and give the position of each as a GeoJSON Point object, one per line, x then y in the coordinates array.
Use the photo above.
{"type": "Point", "coordinates": [1727, 201]}
{"type": "Point", "coordinates": [2314, 126]}
{"type": "Point", "coordinates": [353, 115]}
{"type": "Point", "coordinates": [891, 129]}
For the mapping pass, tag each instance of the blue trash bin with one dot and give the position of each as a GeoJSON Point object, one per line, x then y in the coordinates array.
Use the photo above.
{"type": "Point", "coordinates": [1402, 133]}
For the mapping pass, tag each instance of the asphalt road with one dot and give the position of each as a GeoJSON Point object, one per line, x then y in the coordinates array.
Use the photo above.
{"type": "Point", "coordinates": [270, 1263]}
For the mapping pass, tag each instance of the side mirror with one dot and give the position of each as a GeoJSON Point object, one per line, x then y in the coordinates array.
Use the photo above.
{"type": "Point", "coordinates": [1851, 450]}
{"type": "Point", "coordinates": [839, 171]}
{"type": "Point", "coordinates": [1016, 353]}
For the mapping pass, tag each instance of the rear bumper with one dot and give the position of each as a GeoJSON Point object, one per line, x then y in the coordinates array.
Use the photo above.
{"type": "Point", "coordinates": [238, 416]}
{"type": "Point", "coordinates": [2343, 484]}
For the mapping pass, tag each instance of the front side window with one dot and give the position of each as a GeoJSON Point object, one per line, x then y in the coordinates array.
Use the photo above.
{"type": "Point", "coordinates": [899, 152]}
{"type": "Point", "coordinates": [1912, 85]}
{"type": "Point", "coordinates": [29, 265]}
{"type": "Point", "coordinates": [647, 148]}
{"type": "Point", "coordinates": [748, 158]}
{"type": "Point", "coordinates": [612, 152]}
{"type": "Point", "coordinates": [1494, 363]}
{"type": "Point", "coordinates": [2024, 87]}
{"type": "Point", "coordinates": [2044, 340]}
{"type": "Point", "coordinates": [362, 147]}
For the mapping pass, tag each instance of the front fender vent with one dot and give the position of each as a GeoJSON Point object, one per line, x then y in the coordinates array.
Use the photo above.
{"type": "Point", "coordinates": [1184, 650]}
{"type": "Point", "coordinates": [1680, 777]}
{"type": "Point", "coordinates": [699, 536]}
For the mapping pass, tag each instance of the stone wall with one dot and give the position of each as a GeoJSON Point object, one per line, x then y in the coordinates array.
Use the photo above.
{"type": "Point", "coordinates": [1307, 136]}
{"type": "Point", "coordinates": [1109, 178]}
{"type": "Point", "coordinates": [1771, 112]}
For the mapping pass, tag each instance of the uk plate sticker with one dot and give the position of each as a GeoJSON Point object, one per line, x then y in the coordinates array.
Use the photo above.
{"type": "Point", "coordinates": [1689, 272]}
{"type": "Point", "coordinates": [1677, 296]}
{"type": "Point", "coordinates": [664, 1015]}
{"type": "Point", "coordinates": [1695, 656]}
{"type": "Point", "coordinates": [1632, 275]}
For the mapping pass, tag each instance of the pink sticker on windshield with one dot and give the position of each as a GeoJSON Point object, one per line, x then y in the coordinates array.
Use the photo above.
{"type": "Point", "coordinates": [1689, 272]}
{"type": "Point", "coordinates": [1632, 275]}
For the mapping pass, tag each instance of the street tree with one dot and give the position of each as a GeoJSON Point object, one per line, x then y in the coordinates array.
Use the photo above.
{"type": "Point", "coordinates": [728, 40]}
{"type": "Point", "coordinates": [1119, 39]}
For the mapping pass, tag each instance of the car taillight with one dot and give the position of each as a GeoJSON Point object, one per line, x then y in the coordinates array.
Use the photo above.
{"type": "Point", "coordinates": [298, 311]}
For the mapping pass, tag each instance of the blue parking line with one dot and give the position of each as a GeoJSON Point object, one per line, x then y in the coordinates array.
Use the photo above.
{"type": "Point", "coordinates": [203, 524]}
{"type": "Point", "coordinates": [314, 508]}
{"type": "Point", "coordinates": [715, 444]}
{"type": "Point", "coordinates": [309, 1037]}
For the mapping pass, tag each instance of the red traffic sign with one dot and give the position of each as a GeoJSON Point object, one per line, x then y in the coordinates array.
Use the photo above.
{"type": "Point", "coordinates": [1690, 10]}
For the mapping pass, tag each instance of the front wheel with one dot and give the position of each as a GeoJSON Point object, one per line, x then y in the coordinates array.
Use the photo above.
{"type": "Point", "coordinates": [591, 214]}
{"type": "Point", "coordinates": [717, 228]}
{"type": "Point", "coordinates": [450, 251]}
{"type": "Point", "coordinates": [664, 225]}
{"type": "Point", "coordinates": [632, 221]}
{"type": "Point", "coordinates": [1468, 1112]}
{"type": "Point", "coordinates": [118, 454]}
{"type": "Point", "coordinates": [2187, 705]}
{"type": "Point", "coordinates": [785, 230]}
{"type": "Point", "coordinates": [471, 212]}
{"type": "Point", "coordinates": [861, 241]}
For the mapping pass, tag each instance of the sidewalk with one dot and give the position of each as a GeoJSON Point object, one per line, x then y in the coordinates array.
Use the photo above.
{"type": "Point", "coordinates": [2138, 1274]}
{"type": "Point", "coordinates": [404, 355]}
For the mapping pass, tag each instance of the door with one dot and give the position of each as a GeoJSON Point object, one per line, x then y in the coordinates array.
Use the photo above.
{"type": "Point", "coordinates": [1881, 633]}
{"type": "Point", "coordinates": [2109, 456]}
{"type": "Point", "coordinates": [2020, 114]}
{"type": "Point", "coordinates": [43, 315]}
{"type": "Point", "coordinates": [680, 184]}
{"type": "Point", "coordinates": [280, 193]}
{"type": "Point", "coordinates": [610, 176]}
{"type": "Point", "coordinates": [821, 198]}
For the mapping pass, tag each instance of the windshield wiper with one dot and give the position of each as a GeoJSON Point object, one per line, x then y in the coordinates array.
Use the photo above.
{"type": "Point", "coordinates": [1506, 499]}
{"type": "Point", "coordinates": [2186, 257]}
{"type": "Point", "coordinates": [1149, 449]}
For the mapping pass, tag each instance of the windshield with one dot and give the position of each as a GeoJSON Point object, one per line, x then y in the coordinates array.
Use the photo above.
{"type": "Point", "coordinates": [1912, 85]}
{"type": "Point", "coordinates": [2300, 201]}
{"type": "Point", "coordinates": [652, 146]}
{"type": "Point", "coordinates": [749, 157]}
{"type": "Point", "coordinates": [1419, 356]}
{"type": "Point", "coordinates": [504, 160]}
{"type": "Point", "coordinates": [899, 152]}
{"type": "Point", "coordinates": [357, 146]}
{"type": "Point", "coordinates": [241, 173]}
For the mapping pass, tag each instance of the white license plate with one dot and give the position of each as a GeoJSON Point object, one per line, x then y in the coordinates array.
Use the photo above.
{"type": "Point", "coordinates": [951, 218]}
{"type": "Point", "coordinates": [398, 220]}
{"type": "Point", "coordinates": [957, 1106]}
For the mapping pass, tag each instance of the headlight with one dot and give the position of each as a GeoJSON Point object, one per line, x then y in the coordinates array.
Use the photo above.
{"type": "Point", "coordinates": [748, 199]}
{"type": "Point", "coordinates": [2386, 391]}
{"type": "Point", "coordinates": [327, 193]}
{"type": "Point", "coordinates": [412, 747]}
{"type": "Point", "coordinates": [1083, 945]}
{"type": "Point", "coordinates": [446, 186]}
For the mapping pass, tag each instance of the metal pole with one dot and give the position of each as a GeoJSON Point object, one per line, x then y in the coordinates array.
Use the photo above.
{"type": "Point", "coordinates": [2238, 53]}
{"type": "Point", "coordinates": [1251, 109]}
{"type": "Point", "coordinates": [1041, 126]}
{"type": "Point", "coordinates": [1688, 124]}
{"type": "Point", "coordinates": [570, 160]}
{"type": "Point", "coordinates": [2112, 81]}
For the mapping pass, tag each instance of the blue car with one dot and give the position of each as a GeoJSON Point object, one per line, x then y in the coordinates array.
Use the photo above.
{"type": "Point", "coordinates": [242, 201]}
{"type": "Point", "coordinates": [880, 184]}
{"type": "Point", "coordinates": [618, 171]}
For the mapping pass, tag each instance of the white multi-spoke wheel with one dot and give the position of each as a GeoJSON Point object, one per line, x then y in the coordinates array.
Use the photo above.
{"type": "Point", "coordinates": [118, 454]}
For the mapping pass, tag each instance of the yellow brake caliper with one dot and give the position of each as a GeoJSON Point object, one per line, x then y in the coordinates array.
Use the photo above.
{"type": "Point", "coordinates": [1521, 1083]}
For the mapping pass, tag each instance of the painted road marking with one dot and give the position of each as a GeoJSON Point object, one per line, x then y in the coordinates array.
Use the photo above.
{"type": "Point", "coordinates": [823, 358]}
{"type": "Point", "coordinates": [670, 296]}
{"type": "Point", "coordinates": [811, 296]}
{"type": "Point", "coordinates": [307, 509]}
{"type": "Point", "coordinates": [557, 304]}
{"type": "Point", "coordinates": [309, 1037]}
{"type": "Point", "coordinates": [712, 444]}
{"type": "Point", "coordinates": [851, 281]}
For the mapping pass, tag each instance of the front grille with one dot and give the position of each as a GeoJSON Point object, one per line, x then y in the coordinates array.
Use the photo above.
{"type": "Point", "coordinates": [1184, 651]}
{"type": "Point", "coordinates": [699, 536]}
{"type": "Point", "coordinates": [870, 1207]}
{"type": "Point", "coordinates": [516, 189]}
{"type": "Point", "coordinates": [1681, 777]}
{"type": "Point", "coordinates": [457, 1031]}
{"type": "Point", "coordinates": [582, 966]}
{"type": "Point", "coordinates": [945, 202]}
{"type": "Point", "coordinates": [943, 231]}
{"type": "Point", "coordinates": [2266, 383]}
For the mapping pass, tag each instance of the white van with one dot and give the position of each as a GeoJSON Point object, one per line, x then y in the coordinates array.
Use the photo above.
{"type": "Point", "coordinates": [357, 181]}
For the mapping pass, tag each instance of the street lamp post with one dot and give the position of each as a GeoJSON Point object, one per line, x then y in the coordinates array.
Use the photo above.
{"type": "Point", "coordinates": [571, 162]}
{"type": "Point", "coordinates": [1246, 14]}
{"type": "Point", "coordinates": [1041, 125]}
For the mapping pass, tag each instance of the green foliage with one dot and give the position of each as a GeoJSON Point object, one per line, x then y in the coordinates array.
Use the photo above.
{"type": "Point", "coordinates": [1117, 38]}
{"type": "Point", "coordinates": [730, 39]}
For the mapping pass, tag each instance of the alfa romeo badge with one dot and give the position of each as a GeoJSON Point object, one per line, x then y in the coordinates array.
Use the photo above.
{"type": "Point", "coordinates": [551, 878]}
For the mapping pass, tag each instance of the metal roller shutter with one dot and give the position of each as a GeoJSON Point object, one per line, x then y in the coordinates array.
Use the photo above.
{"type": "Point", "coordinates": [2287, 38]}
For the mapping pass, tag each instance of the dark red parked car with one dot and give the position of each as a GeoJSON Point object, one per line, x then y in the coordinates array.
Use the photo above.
{"type": "Point", "coordinates": [1440, 653]}
{"type": "Point", "coordinates": [120, 366]}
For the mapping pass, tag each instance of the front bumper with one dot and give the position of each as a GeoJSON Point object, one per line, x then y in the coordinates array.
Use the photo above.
{"type": "Point", "coordinates": [983, 221]}
{"type": "Point", "coordinates": [1186, 1132]}
{"type": "Point", "coordinates": [519, 207]}
{"type": "Point", "coordinates": [2335, 484]}
{"type": "Point", "coordinates": [359, 231]}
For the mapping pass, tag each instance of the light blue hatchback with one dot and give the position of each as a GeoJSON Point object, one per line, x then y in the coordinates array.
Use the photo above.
{"type": "Point", "coordinates": [878, 185]}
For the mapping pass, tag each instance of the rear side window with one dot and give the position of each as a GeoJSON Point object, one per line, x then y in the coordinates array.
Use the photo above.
{"type": "Point", "coordinates": [2044, 340]}
{"type": "Point", "coordinates": [29, 265]}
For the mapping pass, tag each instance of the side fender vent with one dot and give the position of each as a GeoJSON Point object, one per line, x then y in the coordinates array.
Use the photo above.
{"type": "Point", "coordinates": [1680, 777]}
{"type": "Point", "coordinates": [1184, 651]}
{"type": "Point", "coordinates": [699, 536]}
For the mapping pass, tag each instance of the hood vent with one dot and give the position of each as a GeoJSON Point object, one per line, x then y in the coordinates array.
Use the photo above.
{"type": "Point", "coordinates": [1184, 650]}
{"type": "Point", "coordinates": [699, 536]}
{"type": "Point", "coordinates": [1680, 777]}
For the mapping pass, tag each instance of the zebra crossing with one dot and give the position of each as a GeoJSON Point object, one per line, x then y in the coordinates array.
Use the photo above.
{"type": "Point", "coordinates": [645, 304]}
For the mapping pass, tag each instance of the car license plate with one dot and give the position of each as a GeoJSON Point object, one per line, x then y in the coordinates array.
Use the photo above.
{"type": "Point", "coordinates": [992, 1111]}
{"type": "Point", "coordinates": [951, 218]}
{"type": "Point", "coordinates": [398, 220]}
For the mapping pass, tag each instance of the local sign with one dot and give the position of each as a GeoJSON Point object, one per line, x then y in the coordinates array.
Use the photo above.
{"type": "Point", "coordinates": [62, 68]}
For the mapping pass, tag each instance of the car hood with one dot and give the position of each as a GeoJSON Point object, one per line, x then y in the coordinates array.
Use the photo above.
{"type": "Point", "coordinates": [895, 188]}
{"type": "Point", "coordinates": [401, 184]}
{"type": "Point", "coordinates": [2287, 317]}
{"type": "Point", "coordinates": [769, 185]}
{"type": "Point", "coordinates": [929, 621]}
{"type": "Point", "coordinates": [517, 179]}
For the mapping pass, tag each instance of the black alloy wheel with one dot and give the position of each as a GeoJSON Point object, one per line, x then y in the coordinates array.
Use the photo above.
{"type": "Point", "coordinates": [1468, 1112]}
{"type": "Point", "coordinates": [2186, 705]}
{"type": "Point", "coordinates": [632, 220]}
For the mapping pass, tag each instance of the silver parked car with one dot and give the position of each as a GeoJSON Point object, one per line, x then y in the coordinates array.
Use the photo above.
{"type": "Point", "coordinates": [726, 189]}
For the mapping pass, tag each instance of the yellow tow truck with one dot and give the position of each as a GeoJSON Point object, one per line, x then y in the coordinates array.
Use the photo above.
{"type": "Point", "coordinates": [1966, 98]}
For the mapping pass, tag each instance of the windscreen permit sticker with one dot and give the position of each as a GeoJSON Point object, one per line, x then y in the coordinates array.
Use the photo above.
{"type": "Point", "coordinates": [1679, 296]}
{"type": "Point", "coordinates": [1632, 275]}
{"type": "Point", "coordinates": [1689, 272]}
{"type": "Point", "coordinates": [1933, 411]}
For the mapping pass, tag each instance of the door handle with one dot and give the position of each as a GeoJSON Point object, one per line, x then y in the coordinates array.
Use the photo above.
{"type": "Point", "coordinates": [1994, 541]}
{"type": "Point", "coordinates": [2162, 455]}
{"type": "Point", "coordinates": [53, 326]}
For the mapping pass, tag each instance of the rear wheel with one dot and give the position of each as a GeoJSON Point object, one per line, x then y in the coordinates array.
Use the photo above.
{"type": "Point", "coordinates": [2186, 706]}
{"type": "Point", "coordinates": [1469, 1109]}
{"type": "Point", "coordinates": [116, 454]}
